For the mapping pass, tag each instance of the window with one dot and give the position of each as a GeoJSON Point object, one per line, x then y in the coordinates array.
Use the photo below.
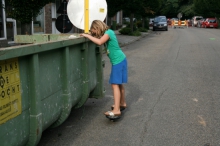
{"type": "Point", "coordinates": [38, 23]}
{"type": "Point", "coordinates": [2, 21]}
{"type": "Point", "coordinates": [11, 29]}
{"type": "Point", "coordinates": [212, 21]}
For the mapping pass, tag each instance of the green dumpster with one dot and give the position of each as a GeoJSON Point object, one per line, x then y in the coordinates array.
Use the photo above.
{"type": "Point", "coordinates": [42, 81]}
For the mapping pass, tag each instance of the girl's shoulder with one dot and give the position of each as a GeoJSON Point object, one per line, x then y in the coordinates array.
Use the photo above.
{"type": "Point", "coordinates": [109, 31]}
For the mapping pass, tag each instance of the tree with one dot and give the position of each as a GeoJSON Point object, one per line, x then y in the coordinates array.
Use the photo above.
{"type": "Point", "coordinates": [207, 8]}
{"type": "Point", "coordinates": [113, 7]}
{"type": "Point", "coordinates": [148, 9]}
{"type": "Point", "coordinates": [130, 7]}
{"type": "Point", "coordinates": [24, 11]}
{"type": "Point", "coordinates": [140, 7]}
{"type": "Point", "coordinates": [171, 8]}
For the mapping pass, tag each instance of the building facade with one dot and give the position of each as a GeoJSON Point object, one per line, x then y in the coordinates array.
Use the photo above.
{"type": "Point", "coordinates": [44, 23]}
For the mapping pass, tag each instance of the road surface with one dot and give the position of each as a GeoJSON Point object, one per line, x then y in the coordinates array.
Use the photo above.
{"type": "Point", "coordinates": [173, 96]}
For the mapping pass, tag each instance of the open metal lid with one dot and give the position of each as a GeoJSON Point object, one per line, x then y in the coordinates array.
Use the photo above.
{"type": "Point", "coordinates": [75, 11]}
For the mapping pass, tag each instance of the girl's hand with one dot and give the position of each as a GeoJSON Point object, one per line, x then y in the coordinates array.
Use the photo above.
{"type": "Point", "coordinates": [98, 41]}
{"type": "Point", "coordinates": [84, 34]}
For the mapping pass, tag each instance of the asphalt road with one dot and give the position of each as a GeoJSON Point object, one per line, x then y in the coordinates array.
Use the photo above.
{"type": "Point", "coordinates": [173, 96]}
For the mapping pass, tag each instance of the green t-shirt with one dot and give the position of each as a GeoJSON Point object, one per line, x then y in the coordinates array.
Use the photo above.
{"type": "Point", "coordinates": [115, 53]}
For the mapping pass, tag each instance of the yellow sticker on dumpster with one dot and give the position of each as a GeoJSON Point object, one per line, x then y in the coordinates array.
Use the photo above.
{"type": "Point", "coordinates": [10, 94]}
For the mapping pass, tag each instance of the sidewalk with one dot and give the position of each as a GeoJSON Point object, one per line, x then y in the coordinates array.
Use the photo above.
{"type": "Point", "coordinates": [124, 40]}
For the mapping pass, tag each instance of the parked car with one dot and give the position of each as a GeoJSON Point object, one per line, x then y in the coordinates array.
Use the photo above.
{"type": "Point", "coordinates": [160, 23]}
{"type": "Point", "coordinates": [195, 20]}
{"type": "Point", "coordinates": [210, 22]}
{"type": "Point", "coordinates": [199, 23]}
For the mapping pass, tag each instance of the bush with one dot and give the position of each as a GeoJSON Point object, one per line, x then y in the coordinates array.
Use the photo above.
{"type": "Point", "coordinates": [136, 33]}
{"type": "Point", "coordinates": [139, 24]}
{"type": "Point", "coordinates": [118, 26]}
{"type": "Point", "coordinates": [126, 23]}
{"type": "Point", "coordinates": [125, 31]}
{"type": "Point", "coordinates": [141, 29]}
{"type": "Point", "coordinates": [134, 26]}
{"type": "Point", "coordinates": [146, 24]}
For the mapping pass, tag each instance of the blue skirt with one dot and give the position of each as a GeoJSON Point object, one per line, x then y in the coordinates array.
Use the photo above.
{"type": "Point", "coordinates": [119, 73]}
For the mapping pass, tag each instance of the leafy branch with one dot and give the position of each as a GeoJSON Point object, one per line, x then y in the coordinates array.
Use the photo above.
{"type": "Point", "coordinates": [25, 10]}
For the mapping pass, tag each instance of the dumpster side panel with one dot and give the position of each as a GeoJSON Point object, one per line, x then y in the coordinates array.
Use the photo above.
{"type": "Point", "coordinates": [92, 66]}
{"type": "Point", "coordinates": [55, 77]}
{"type": "Point", "coordinates": [50, 86]}
{"type": "Point", "coordinates": [51, 109]}
{"type": "Point", "coordinates": [85, 75]}
{"type": "Point", "coordinates": [99, 90]}
{"type": "Point", "coordinates": [66, 95]}
{"type": "Point", "coordinates": [76, 92]}
{"type": "Point", "coordinates": [24, 79]}
{"type": "Point", "coordinates": [35, 100]}
{"type": "Point", "coordinates": [50, 77]}
{"type": "Point", "coordinates": [76, 74]}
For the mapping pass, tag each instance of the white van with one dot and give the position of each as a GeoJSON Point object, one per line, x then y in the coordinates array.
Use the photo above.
{"type": "Point", "coordinates": [195, 20]}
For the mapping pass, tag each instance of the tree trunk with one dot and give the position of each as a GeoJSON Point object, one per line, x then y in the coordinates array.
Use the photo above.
{"type": "Point", "coordinates": [132, 22]}
{"type": "Point", "coordinates": [218, 20]}
{"type": "Point", "coordinates": [26, 28]}
{"type": "Point", "coordinates": [143, 22]}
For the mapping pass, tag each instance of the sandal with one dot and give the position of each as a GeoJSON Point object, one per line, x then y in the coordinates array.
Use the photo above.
{"type": "Point", "coordinates": [121, 107]}
{"type": "Point", "coordinates": [111, 115]}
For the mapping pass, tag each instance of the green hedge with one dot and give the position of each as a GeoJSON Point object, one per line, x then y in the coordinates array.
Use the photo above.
{"type": "Point", "coordinates": [141, 29]}
{"type": "Point", "coordinates": [127, 31]}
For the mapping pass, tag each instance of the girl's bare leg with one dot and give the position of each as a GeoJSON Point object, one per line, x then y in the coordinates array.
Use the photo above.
{"type": "Point", "coordinates": [117, 96]}
{"type": "Point", "coordinates": [122, 99]}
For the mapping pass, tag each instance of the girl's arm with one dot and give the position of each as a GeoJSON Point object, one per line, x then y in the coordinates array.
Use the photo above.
{"type": "Point", "coordinates": [97, 41]}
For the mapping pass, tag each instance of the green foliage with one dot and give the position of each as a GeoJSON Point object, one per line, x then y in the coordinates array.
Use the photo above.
{"type": "Point", "coordinates": [125, 22]}
{"type": "Point", "coordinates": [142, 7]}
{"type": "Point", "coordinates": [136, 33]}
{"type": "Point", "coordinates": [125, 31]}
{"type": "Point", "coordinates": [131, 8]}
{"type": "Point", "coordinates": [187, 10]}
{"type": "Point", "coordinates": [171, 8]}
{"type": "Point", "coordinates": [150, 7]}
{"type": "Point", "coordinates": [207, 8]}
{"type": "Point", "coordinates": [146, 23]}
{"type": "Point", "coordinates": [118, 26]}
{"type": "Point", "coordinates": [113, 7]}
{"type": "Point", "coordinates": [134, 26]}
{"type": "Point", "coordinates": [141, 29]}
{"type": "Point", "coordinates": [25, 10]}
{"type": "Point", "coordinates": [139, 24]}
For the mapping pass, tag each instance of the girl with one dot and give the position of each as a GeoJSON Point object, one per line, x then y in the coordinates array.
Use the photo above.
{"type": "Point", "coordinates": [100, 34]}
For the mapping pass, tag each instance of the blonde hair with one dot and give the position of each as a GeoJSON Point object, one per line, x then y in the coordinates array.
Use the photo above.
{"type": "Point", "coordinates": [100, 28]}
